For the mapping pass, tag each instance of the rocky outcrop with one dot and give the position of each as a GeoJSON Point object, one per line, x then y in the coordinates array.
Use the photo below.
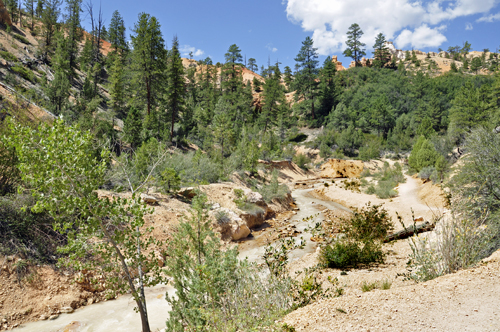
{"type": "Point", "coordinates": [337, 63]}
{"type": "Point", "coordinates": [337, 168]}
{"type": "Point", "coordinates": [4, 15]}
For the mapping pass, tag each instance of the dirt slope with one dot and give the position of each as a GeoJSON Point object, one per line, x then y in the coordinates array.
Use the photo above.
{"type": "Point", "coordinates": [465, 301]}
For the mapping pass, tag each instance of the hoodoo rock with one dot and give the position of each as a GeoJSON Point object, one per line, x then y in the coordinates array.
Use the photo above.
{"type": "Point", "coordinates": [337, 168]}
{"type": "Point", "coordinates": [4, 15]}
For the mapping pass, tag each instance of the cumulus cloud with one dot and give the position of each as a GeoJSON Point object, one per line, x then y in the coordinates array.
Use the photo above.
{"type": "Point", "coordinates": [271, 48]}
{"type": "Point", "coordinates": [422, 36]}
{"type": "Point", "coordinates": [329, 20]}
{"type": "Point", "coordinates": [490, 18]}
{"type": "Point", "coordinates": [186, 49]}
{"type": "Point", "coordinates": [469, 26]}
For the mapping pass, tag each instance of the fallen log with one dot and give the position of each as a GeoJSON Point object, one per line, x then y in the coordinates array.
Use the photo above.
{"type": "Point", "coordinates": [410, 231]}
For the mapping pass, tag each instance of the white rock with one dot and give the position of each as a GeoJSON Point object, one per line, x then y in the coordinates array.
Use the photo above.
{"type": "Point", "coordinates": [66, 310]}
{"type": "Point", "coordinates": [148, 199]}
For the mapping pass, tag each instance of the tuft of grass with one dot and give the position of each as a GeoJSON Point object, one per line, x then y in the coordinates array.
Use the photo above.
{"type": "Point", "coordinates": [21, 39]}
{"type": "Point", "coordinates": [369, 286]}
{"type": "Point", "coordinates": [8, 56]}
{"type": "Point", "coordinates": [341, 310]}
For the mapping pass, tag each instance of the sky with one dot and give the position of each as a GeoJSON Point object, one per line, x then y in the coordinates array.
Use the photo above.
{"type": "Point", "coordinates": [275, 29]}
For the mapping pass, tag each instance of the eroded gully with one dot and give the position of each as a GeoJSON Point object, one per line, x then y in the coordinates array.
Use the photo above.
{"type": "Point", "coordinates": [119, 314]}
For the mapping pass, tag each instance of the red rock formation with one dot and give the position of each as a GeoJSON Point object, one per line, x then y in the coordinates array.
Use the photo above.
{"type": "Point", "coordinates": [337, 63]}
{"type": "Point", "coordinates": [4, 15]}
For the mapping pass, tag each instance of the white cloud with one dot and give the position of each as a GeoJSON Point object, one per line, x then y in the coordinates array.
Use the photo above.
{"type": "Point", "coordinates": [186, 49]}
{"type": "Point", "coordinates": [271, 48]}
{"type": "Point", "coordinates": [422, 36]}
{"type": "Point", "coordinates": [329, 20]}
{"type": "Point", "coordinates": [469, 26]}
{"type": "Point", "coordinates": [490, 18]}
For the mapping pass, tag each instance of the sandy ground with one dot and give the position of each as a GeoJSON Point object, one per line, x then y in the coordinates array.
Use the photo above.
{"type": "Point", "coordinates": [465, 301]}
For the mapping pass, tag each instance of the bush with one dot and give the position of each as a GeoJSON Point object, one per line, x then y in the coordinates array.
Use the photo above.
{"type": "Point", "coordinates": [388, 178]}
{"type": "Point", "coordinates": [21, 39]}
{"type": "Point", "coordinates": [348, 253]}
{"type": "Point", "coordinates": [426, 172]}
{"type": "Point", "coordinates": [273, 189]}
{"type": "Point", "coordinates": [215, 291]}
{"type": "Point", "coordinates": [385, 189]}
{"type": "Point", "coordinates": [361, 243]}
{"type": "Point", "coordinates": [24, 73]}
{"type": "Point", "coordinates": [25, 232]}
{"type": "Point", "coordinates": [302, 160]}
{"type": "Point", "coordinates": [8, 56]}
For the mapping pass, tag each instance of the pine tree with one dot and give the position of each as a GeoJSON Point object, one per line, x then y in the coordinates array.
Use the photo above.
{"type": "Point", "coordinates": [30, 8]}
{"type": "Point", "coordinates": [288, 77]}
{"type": "Point", "coordinates": [133, 128]}
{"type": "Point", "coordinates": [148, 60]}
{"type": "Point", "coordinates": [381, 53]}
{"type": "Point", "coordinates": [50, 15]}
{"type": "Point", "coordinates": [116, 33]}
{"type": "Point", "coordinates": [307, 73]}
{"type": "Point", "coordinates": [176, 91]}
{"type": "Point", "coordinates": [328, 89]}
{"type": "Point", "coordinates": [117, 87]}
{"type": "Point", "coordinates": [231, 69]}
{"type": "Point", "coordinates": [355, 48]}
{"type": "Point", "coordinates": [252, 65]}
{"type": "Point", "coordinates": [222, 127]}
{"type": "Point", "coordinates": [59, 88]}
{"type": "Point", "coordinates": [74, 31]}
{"type": "Point", "coordinates": [39, 8]}
{"type": "Point", "coordinates": [273, 98]}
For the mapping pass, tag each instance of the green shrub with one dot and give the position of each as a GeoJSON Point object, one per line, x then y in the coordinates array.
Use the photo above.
{"type": "Point", "coordinates": [423, 154]}
{"type": "Point", "coordinates": [215, 290]}
{"type": "Point", "coordinates": [24, 73]}
{"type": "Point", "coordinates": [348, 253]}
{"type": "Point", "coordinates": [25, 232]}
{"type": "Point", "coordinates": [274, 189]}
{"type": "Point", "coordinates": [302, 160]}
{"type": "Point", "coordinates": [388, 178]}
{"type": "Point", "coordinates": [170, 180]}
{"type": "Point", "coordinates": [21, 39]}
{"type": "Point", "coordinates": [385, 189]}
{"type": "Point", "coordinates": [361, 243]}
{"type": "Point", "coordinates": [8, 56]}
{"type": "Point", "coordinates": [426, 172]}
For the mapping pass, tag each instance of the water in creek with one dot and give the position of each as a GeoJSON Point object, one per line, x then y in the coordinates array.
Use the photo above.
{"type": "Point", "coordinates": [118, 315]}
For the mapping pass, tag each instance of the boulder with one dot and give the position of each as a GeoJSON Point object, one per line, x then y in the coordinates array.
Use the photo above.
{"type": "Point", "coordinates": [148, 199]}
{"type": "Point", "coordinates": [4, 15]}
{"type": "Point", "coordinates": [188, 192]}
{"type": "Point", "coordinates": [337, 168]}
{"type": "Point", "coordinates": [239, 232]}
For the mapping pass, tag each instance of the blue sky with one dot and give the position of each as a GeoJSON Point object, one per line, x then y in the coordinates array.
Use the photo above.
{"type": "Point", "coordinates": [276, 28]}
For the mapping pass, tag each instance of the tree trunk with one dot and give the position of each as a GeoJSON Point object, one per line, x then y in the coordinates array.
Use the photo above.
{"type": "Point", "coordinates": [410, 231]}
{"type": "Point", "coordinates": [172, 129]}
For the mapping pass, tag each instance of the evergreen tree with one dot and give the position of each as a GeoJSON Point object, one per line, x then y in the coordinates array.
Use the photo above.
{"type": "Point", "coordinates": [328, 88]}
{"type": "Point", "coordinates": [133, 128]}
{"type": "Point", "coordinates": [104, 34]}
{"type": "Point", "coordinates": [288, 76]}
{"type": "Point", "coordinates": [273, 98]}
{"type": "Point", "coordinates": [74, 31]}
{"type": "Point", "coordinates": [222, 127]}
{"type": "Point", "coordinates": [469, 109]}
{"type": "Point", "coordinates": [252, 65]}
{"type": "Point", "coordinates": [148, 60]}
{"type": "Point", "coordinates": [355, 48]}
{"type": "Point", "coordinates": [381, 53]}
{"type": "Point", "coordinates": [231, 69]}
{"type": "Point", "coordinates": [176, 90]}
{"type": "Point", "coordinates": [116, 33]}
{"type": "Point", "coordinates": [476, 64]}
{"type": "Point", "coordinates": [30, 8]}
{"type": "Point", "coordinates": [59, 88]}
{"type": "Point", "coordinates": [50, 15]}
{"type": "Point", "coordinates": [117, 87]}
{"type": "Point", "coordinates": [307, 73]}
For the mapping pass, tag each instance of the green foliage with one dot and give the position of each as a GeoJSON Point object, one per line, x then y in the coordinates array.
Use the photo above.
{"type": "Point", "coordinates": [24, 73]}
{"type": "Point", "coordinates": [21, 39]}
{"type": "Point", "coordinates": [355, 48]}
{"type": "Point", "coordinates": [302, 160]}
{"type": "Point", "coordinates": [170, 180]}
{"type": "Point", "coordinates": [305, 83]}
{"type": "Point", "coordinates": [273, 190]}
{"type": "Point", "coordinates": [422, 155]}
{"type": "Point", "coordinates": [26, 233]}
{"type": "Point", "coordinates": [361, 243]}
{"type": "Point", "coordinates": [60, 165]}
{"type": "Point", "coordinates": [8, 56]}
{"type": "Point", "coordinates": [214, 289]}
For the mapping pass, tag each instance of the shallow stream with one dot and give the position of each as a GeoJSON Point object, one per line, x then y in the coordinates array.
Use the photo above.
{"type": "Point", "coordinates": [119, 314]}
